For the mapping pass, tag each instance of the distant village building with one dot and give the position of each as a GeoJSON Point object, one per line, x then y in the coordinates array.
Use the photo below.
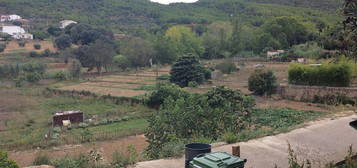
{"type": "Point", "coordinates": [9, 18]}
{"type": "Point", "coordinates": [65, 23]}
{"type": "Point", "coordinates": [16, 32]}
{"type": "Point", "coordinates": [274, 53]}
{"type": "Point", "coordinates": [301, 60]}
{"type": "Point", "coordinates": [67, 117]}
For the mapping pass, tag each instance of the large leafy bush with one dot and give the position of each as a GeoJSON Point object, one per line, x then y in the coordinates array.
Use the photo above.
{"type": "Point", "coordinates": [208, 115]}
{"type": "Point", "coordinates": [262, 82]}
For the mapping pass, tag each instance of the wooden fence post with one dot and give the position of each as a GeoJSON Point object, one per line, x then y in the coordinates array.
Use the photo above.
{"type": "Point", "coordinates": [236, 151]}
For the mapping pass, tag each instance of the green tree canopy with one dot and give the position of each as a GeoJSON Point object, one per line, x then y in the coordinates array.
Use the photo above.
{"type": "Point", "coordinates": [166, 51]}
{"type": "Point", "coordinates": [287, 31]}
{"type": "Point", "coordinates": [217, 39]}
{"type": "Point", "coordinates": [62, 42]}
{"type": "Point", "coordinates": [97, 55]}
{"type": "Point", "coordinates": [185, 40]}
{"type": "Point", "coordinates": [121, 62]}
{"type": "Point", "coordinates": [187, 69]}
{"type": "Point", "coordinates": [138, 51]}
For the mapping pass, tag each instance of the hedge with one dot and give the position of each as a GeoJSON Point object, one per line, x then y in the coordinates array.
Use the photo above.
{"type": "Point", "coordinates": [332, 74]}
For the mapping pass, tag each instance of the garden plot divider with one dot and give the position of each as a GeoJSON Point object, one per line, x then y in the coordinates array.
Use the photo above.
{"type": "Point", "coordinates": [310, 93]}
{"type": "Point", "coordinates": [113, 99]}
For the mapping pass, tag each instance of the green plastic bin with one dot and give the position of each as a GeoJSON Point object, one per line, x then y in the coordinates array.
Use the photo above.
{"type": "Point", "coordinates": [217, 160]}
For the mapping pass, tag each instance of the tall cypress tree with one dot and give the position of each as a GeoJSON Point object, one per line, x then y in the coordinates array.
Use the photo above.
{"type": "Point", "coordinates": [187, 69]}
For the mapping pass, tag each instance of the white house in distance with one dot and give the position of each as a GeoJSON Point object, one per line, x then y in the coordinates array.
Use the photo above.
{"type": "Point", "coordinates": [16, 32]}
{"type": "Point", "coordinates": [9, 18]}
{"type": "Point", "coordinates": [65, 23]}
{"type": "Point", "coordinates": [274, 53]}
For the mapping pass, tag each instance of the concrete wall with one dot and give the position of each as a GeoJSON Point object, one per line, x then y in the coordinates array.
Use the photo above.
{"type": "Point", "coordinates": [307, 93]}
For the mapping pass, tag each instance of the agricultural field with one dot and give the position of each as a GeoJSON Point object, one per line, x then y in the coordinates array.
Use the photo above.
{"type": "Point", "coordinates": [131, 84]}
{"type": "Point", "coordinates": [13, 46]}
{"type": "Point", "coordinates": [134, 84]}
{"type": "Point", "coordinates": [120, 84]}
{"type": "Point", "coordinates": [239, 79]}
{"type": "Point", "coordinates": [26, 116]}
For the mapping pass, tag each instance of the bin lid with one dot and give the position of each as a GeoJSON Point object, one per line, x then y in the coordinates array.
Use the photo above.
{"type": "Point", "coordinates": [217, 160]}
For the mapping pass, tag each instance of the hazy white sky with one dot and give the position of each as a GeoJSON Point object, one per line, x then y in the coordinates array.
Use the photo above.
{"type": "Point", "coordinates": [172, 1]}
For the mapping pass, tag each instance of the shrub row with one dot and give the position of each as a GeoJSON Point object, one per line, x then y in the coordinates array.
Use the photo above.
{"type": "Point", "coordinates": [46, 53]}
{"type": "Point", "coordinates": [26, 71]}
{"type": "Point", "coordinates": [333, 74]}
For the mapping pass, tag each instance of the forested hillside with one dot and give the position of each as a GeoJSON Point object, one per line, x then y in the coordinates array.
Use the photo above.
{"type": "Point", "coordinates": [331, 5]}
{"type": "Point", "coordinates": [128, 15]}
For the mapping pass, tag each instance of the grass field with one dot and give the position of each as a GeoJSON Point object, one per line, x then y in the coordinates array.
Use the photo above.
{"type": "Point", "coordinates": [25, 118]}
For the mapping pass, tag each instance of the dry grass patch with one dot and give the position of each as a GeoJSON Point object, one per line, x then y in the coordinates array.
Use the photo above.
{"type": "Point", "coordinates": [13, 46]}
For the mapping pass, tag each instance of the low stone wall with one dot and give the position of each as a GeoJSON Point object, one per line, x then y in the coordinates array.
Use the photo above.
{"type": "Point", "coordinates": [308, 93]}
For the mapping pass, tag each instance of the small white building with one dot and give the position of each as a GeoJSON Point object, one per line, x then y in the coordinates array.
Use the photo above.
{"type": "Point", "coordinates": [9, 18]}
{"type": "Point", "coordinates": [16, 32]}
{"type": "Point", "coordinates": [274, 53]}
{"type": "Point", "coordinates": [65, 23]}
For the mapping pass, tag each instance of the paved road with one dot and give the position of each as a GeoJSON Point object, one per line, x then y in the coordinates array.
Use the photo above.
{"type": "Point", "coordinates": [321, 141]}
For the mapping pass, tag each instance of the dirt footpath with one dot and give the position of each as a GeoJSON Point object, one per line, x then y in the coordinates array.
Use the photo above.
{"type": "Point", "coordinates": [106, 148]}
{"type": "Point", "coordinates": [320, 142]}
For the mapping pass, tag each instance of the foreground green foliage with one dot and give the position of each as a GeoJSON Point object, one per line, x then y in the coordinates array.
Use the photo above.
{"type": "Point", "coordinates": [5, 162]}
{"type": "Point", "coordinates": [226, 112]}
{"type": "Point", "coordinates": [221, 109]}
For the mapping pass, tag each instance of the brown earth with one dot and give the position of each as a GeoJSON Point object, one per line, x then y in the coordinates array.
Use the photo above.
{"type": "Point", "coordinates": [105, 148]}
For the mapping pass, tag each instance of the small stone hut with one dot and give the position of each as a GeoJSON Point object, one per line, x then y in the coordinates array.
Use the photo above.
{"type": "Point", "coordinates": [75, 116]}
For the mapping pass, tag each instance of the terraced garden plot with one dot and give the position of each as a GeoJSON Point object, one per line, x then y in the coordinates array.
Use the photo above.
{"type": "Point", "coordinates": [122, 85]}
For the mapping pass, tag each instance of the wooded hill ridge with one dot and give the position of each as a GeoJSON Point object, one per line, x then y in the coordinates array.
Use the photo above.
{"type": "Point", "coordinates": [126, 15]}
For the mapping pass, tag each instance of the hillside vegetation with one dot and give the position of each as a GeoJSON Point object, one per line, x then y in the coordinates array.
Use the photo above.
{"type": "Point", "coordinates": [125, 15]}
